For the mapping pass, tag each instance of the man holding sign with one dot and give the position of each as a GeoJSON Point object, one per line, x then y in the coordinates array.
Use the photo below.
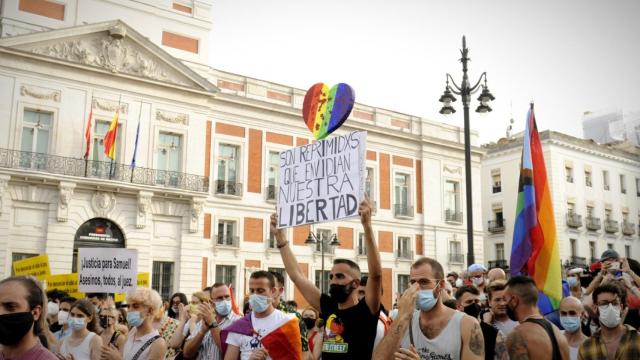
{"type": "Point", "coordinates": [350, 324]}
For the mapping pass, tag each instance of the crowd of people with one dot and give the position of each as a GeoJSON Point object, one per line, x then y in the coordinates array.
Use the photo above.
{"type": "Point", "coordinates": [478, 314]}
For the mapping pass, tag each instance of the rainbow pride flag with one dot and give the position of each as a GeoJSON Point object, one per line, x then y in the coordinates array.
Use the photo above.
{"type": "Point", "coordinates": [534, 251]}
{"type": "Point", "coordinates": [284, 343]}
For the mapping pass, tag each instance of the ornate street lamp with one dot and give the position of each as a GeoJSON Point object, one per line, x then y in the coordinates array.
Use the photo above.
{"type": "Point", "coordinates": [312, 240]}
{"type": "Point", "coordinates": [447, 99]}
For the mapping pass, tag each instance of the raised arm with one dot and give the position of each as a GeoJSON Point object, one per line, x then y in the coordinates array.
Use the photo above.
{"type": "Point", "coordinates": [472, 339]}
{"type": "Point", "coordinates": [309, 291]}
{"type": "Point", "coordinates": [391, 342]}
{"type": "Point", "coordinates": [373, 290]}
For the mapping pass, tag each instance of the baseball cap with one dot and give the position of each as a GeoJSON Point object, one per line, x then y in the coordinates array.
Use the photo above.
{"type": "Point", "coordinates": [609, 254]}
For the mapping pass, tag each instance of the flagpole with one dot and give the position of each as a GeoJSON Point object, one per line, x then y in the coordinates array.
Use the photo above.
{"type": "Point", "coordinates": [116, 139]}
{"type": "Point", "coordinates": [135, 148]}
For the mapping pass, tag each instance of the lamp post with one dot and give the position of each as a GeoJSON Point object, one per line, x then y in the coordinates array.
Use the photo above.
{"type": "Point", "coordinates": [485, 98]}
{"type": "Point", "coordinates": [312, 239]}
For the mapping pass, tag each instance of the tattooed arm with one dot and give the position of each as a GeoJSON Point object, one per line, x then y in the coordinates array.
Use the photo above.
{"type": "Point", "coordinates": [391, 342]}
{"type": "Point", "coordinates": [501, 348]}
{"type": "Point", "coordinates": [472, 339]}
{"type": "Point", "coordinates": [517, 345]}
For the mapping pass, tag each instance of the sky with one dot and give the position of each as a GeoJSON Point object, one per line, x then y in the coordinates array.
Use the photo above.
{"type": "Point", "coordinates": [567, 56]}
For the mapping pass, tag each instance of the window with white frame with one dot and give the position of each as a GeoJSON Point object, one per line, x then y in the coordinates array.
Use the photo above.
{"type": "Point", "coordinates": [162, 278]}
{"type": "Point", "coordinates": [623, 184]}
{"type": "Point", "coordinates": [572, 245]}
{"type": "Point", "coordinates": [169, 158]}
{"type": "Point", "coordinates": [496, 181]}
{"type": "Point", "coordinates": [403, 247]}
{"type": "Point", "coordinates": [324, 235]}
{"type": "Point", "coordinates": [228, 170]}
{"type": "Point", "coordinates": [226, 235]}
{"type": "Point", "coordinates": [455, 252]}
{"type": "Point", "coordinates": [605, 179]}
{"type": "Point", "coordinates": [452, 201]}
{"type": "Point", "coordinates": [273, 167]}
{"type": "Point", "coordinates": [587, 178]}
{"type": "Point", "coordinates": [362, 245]}
{"type": "Point", "coordinates": [568, 173]}
{"type": "Point", "coordinates": [499, 251]}
{"type": "Point", "coordinates": [589, 211]}
{"type": "Point", "coordinates": [403, 283]}
{"type": "Point", "coordinates": [226, 274]}
{"type": "Point", "coordinates": [320, 284]}
{"type": "Point", "coordinates": [369, 185]}
{"type": "Point", "coordinates": [592, 250]}
{"type": "Point", "coordinates": [607, 214]}
{"type": "Point", "coordinates": [36, 131]}
{"type": "Point", "coordinates": [402, 183]}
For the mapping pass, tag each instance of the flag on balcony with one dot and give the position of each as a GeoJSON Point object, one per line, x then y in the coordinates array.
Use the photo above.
{"type": "Point", "coordinates": [87, 135]}
{"type": "Point", "coordinates": [135, 147]}
{"type": "Point", "coordinates": [110, 137]}
{"type": "Point", "coordinates": [534, 251]}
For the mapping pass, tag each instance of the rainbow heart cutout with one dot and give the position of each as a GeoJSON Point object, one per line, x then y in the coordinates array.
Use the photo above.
{"type": "Point", "coordinates": [325, 110]}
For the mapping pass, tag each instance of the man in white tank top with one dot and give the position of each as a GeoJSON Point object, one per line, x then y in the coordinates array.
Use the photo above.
{"type": "Point", "coordinates": [434, 331]}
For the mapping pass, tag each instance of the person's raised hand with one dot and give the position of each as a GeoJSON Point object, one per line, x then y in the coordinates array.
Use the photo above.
{"type": "Point", "coordinates": [365, 212]}
{"type": "Point", "coordinates": [206, 311]}
{"type": "Point", "coordinates": [407, 302]}
{"type": "Point", "coordinates": [183, 314]}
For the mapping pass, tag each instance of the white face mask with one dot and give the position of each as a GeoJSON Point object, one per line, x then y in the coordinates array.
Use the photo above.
{"type": "Point", "coordinates": [63, 315]}
{"type": "Point", "coordinates": [53, 308]}
{"type": "Point", "coordinates": [609, 315]}
{"type": "Point", "coordinates": [477, 281]}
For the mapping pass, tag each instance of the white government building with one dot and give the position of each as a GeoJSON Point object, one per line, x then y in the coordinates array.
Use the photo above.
{"type": "Point", "coordinates": [197, 206]}
{"type": "Point", "coordinates": [595, 191]}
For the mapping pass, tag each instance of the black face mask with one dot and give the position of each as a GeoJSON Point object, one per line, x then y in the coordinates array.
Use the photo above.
{"type": "Point", "coordinates": [511, 313]}
{"type": "Point", "coordinates": [104, 322]}
{"type": "Point", "coordinates": [473, 310]}
{"type": "Point", "coordinates": [13, 327]}
{"type": "Point", "coordinates": [309, 322]}
{"type": "Point", "coordinates": [340, 293]}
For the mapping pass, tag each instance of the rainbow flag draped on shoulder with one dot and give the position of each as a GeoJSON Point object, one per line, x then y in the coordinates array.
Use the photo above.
{"type": "Point", "coordinates": [535, 250]}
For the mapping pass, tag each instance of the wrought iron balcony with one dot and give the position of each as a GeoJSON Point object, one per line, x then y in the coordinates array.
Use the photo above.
{"type": "Point", "coordinates": [60, 165]}
{"type": "Point", "coordinates": [270, 192]}
{"type": "Point", "coordinates": [227, 240]}
{"type": "Point", "coordinates": [593, 223]}
{"type": "Point", "coordinates": [402, 210]}
{"type": "Point", "coordinates": [456, 258]}
{"type": "Point", "coordinates": [361, 250]}
{"type": "Point", "coordinates": [328, 249]}
{"type": "Point", "coordinates": [574, 220]}
{"type": "Point", "coordinates": [452, 216]}
{"type": "Point", "coordinates": [503, 264]}
{"type": "Point", "coordinates": [611, 226]}
{"type": "Point", "coordinates": [228, 188]}
{"type": "Point", "coordinates": [569, 179]}
{"type": "Point", "coordinates": [496, 226]}
{"type": "Point", "coordinates": [497, 189]}
{"type": "Point", "coordinates": [404, 254]}
{"type": "Point", "coordinates": [628, 228]}
{"type": "Point", "coordinates": [577, 261]}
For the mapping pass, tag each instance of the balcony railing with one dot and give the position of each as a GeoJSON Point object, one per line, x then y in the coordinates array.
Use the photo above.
{"type": "Point", "coordinates": [452, 216]}
{"type": "Point", "coordinates": [361, 250]}
{"type": "Point", "coordinates": [574, 220]}
{"type": "Point", "coordinates": [404, 254]}
{"type": "Point", "coordinates": [402, 210]}
{"type": "Point", "coordinates": [570, 179]}
{"type": "Point", "coordinates": [228, 240]}
{"type": "Point", "coordinates": [593, 223]}
{"type": "Point", "coordinates": [228, 188]}
{"type": "Point", "coordinates": [456, 258]}
{"type": "Point", "coordinates": [628, 228]}
{"type": "Point", "coordinates": [611, 226]}
{"type": "Point", "coordinates": [503, 264]}
{"type": "Point", "coordinates": [59, 165]}
{"type": "Point", "coordinates": [270, 193]}
{"type": "Point", "coordinates": [497, 189]}
{"type": "Point", "coordinates": [496, 226]}
{"type": "Point", "coordinates": [578, 261]}
{"type": "Point", "coordinates": [328, 249]}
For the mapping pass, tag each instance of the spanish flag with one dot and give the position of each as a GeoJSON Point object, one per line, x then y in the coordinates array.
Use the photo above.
{"type": "Point", "coordinates": [284, 343]}
{"type": "Point", "coordinates": [110, 137]}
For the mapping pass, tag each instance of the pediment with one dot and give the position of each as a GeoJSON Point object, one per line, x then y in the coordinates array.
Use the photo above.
{"type": "Point", "coordinates": [126, 53]}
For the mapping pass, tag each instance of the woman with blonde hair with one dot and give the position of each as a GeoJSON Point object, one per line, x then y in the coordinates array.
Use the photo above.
{"type": "Point", "coordinates": [176, 331]}
{"type": "Point", "coordinates": [109, 322]}
{"type": "Point", "coordinates": [143, 341]}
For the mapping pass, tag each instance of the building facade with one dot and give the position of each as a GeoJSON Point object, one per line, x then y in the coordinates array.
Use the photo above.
{"type": "Point", "coordinates": [595, 192]}
{"type": "Point", "coordinates": [606, 127]}
{"type": "Point", "coordinates": [198, 202]}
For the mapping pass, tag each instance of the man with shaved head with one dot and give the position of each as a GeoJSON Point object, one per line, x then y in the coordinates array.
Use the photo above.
{"type": "Point", "coordinates": [571, 311]}
{"type": "Point", "coordinates": [496, 274]}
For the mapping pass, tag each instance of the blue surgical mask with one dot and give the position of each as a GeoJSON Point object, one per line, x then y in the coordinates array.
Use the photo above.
{"type": "Point", "coordinates": [259, 303]}
{"type": "Point", "coordinates": [426, 300]}
{"type": "Point", "coordinates": [134, 319]}
{"type": "Point", "coordinates": [572, 281]}
{"type": "Point", "coordinates": [570, 323]}
{"type": "Point", "coordinates": [223, 308]}
{"type": "Point", "coordinates": [76, 324]}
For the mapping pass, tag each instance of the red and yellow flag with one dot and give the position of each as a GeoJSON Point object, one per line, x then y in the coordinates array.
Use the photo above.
{"type": "Point", "coordinates": [87, 136]}
{"type": "Point", "coordinates": [110, 138]}
{"type": "Point", "coordinates": [284, 343]}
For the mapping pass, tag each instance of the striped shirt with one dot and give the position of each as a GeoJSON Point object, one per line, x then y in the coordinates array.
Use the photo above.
{"type": "Point", "coordinates": [208, 349]}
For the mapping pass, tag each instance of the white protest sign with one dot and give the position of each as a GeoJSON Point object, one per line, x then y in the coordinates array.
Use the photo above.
{"type": "Point", "coordinates": [323, 181]}
{"type": "Point", "coordinates": [107, 270]}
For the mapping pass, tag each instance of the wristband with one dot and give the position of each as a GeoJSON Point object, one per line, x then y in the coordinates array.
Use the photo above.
{"type": "Point", "coordinates": [280, 246]}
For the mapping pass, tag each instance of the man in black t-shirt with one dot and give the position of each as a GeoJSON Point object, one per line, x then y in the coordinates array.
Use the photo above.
{"type": "Point", "coordinates": [350, 325]}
